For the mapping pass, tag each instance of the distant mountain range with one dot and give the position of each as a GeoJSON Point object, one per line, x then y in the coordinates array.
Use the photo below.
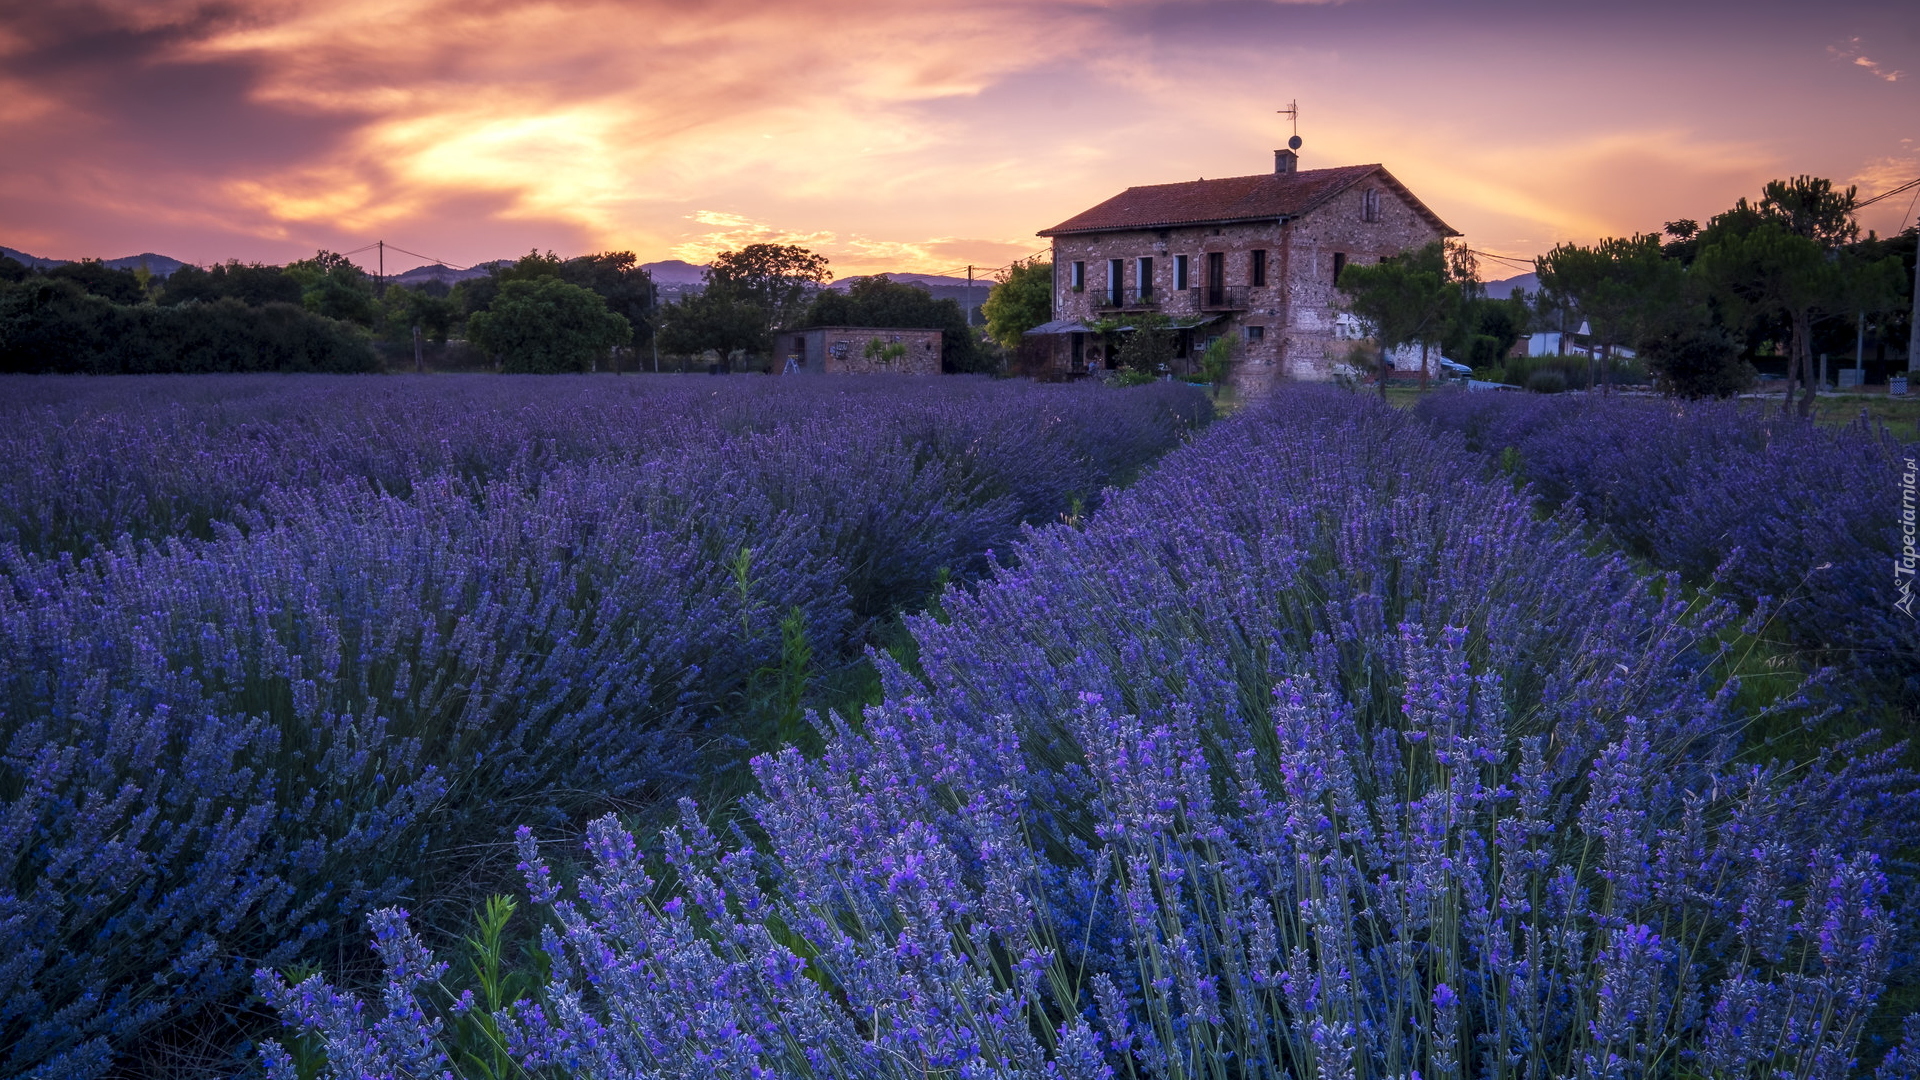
{"type": "Point", "coordinates": [674, 277]}
{"type": "Point", "coordinates": [159, 265]}
{"type": "Point", "coordinates": [1500, 290]}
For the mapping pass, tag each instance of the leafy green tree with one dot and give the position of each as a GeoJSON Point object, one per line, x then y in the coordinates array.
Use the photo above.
{"type": "Point", "coordinates": [779, 279]}
{"type": "Point", "coordinates": [716, 321]}
{"type": "Point", "coordinates": [12, 269]}
{"type": "Point", "coordinates": [1020, 300]}
{"type": "Point", "coordinates": [331, 285]}
{"type": "Point", "coordinates": [1403, 299]}
{"type": "Point", "coordinates": [1621, 287]}
{"type": "Point", "coordinates": [403, 307]}
{"type": "Point", "coordinates": [882, 302]}
{"type": "Point", "coordinates": [547, 325]}
{"type": "Point", "coordinates": [617, 278]}
{"type": "Point", "coordinates": [99, 279]}
{"type": "Point", "coordinates": [1771, 271]}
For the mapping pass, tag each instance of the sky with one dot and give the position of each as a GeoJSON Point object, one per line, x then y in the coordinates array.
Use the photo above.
{"type": "Point", "coordinates": [906, 136]}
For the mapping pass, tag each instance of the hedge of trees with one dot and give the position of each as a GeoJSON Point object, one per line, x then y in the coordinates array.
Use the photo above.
{"type": "Point", "coordinates": [324, 314]}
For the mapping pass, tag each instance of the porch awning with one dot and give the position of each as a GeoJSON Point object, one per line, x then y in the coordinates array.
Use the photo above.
{"type": "Point", "coordinates": [1061, 326]}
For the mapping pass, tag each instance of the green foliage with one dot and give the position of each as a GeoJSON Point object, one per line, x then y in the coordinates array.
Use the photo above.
{"type": "Point", "coordinates": [777, 279]}
{"type": "Point", "coordinates": [1485, 330]}
{"type": "Point", "coordinates": [403, 308]}
{"type": "Point", "coordinates": [99, 279]}
{"type": "Point", "coordinates": [1405, 298]}
{"type": "Point", "coordinates": [1697, 361]}
{"type": "Point", "coordinates": [1622, 288]}
{"type": "Point", "coordinates": [1547, 381]}
{"type": "Point", "coordinates": [1771, 272]}
{"type": "Point", "coordinates": [333, 286]}
{"type": "Point", "coordinates": [614, 276]}
{"type": "Point", "coordinates": [1215, 362]}
{"type": "Point", "coordinates": [881, 302]}
{"type": "Point", "coordinates": [716, 321]}
{"type": "Point", "coordinates": [49, 324]}
{"type": "Point", "coordinates": [250, 283]}
{"type": "Point", "coordinates": [546, 325]}
{"type": "Point", "coordinates": [881, 352]}
{"type": "Point", "coordinates": [1146, 346]}
{"type": "Point", "coordinates": [1021, 300]}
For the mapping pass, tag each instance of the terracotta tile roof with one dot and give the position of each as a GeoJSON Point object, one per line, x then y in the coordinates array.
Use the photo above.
{"type": "Point", "coordinates": [1233, 198]}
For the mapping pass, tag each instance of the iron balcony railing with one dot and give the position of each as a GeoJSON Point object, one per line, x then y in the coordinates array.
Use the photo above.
{"type": "Point", "coordinates": [1222, 297]}
{"type": "Point", "coordinates": [1126, 299]}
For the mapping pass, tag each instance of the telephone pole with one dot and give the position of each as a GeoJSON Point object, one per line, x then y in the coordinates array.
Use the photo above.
{"type": "Point", "coordinates": [969, 294]}
{"type": "Point", "coordinates": [382, 273]}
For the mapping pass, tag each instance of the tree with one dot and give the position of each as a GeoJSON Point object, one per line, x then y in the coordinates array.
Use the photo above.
{"type": "Point", "coordinates": [250, 283]}
{"type": "Point", "coordinates": [717, 321]}
{"type": "Point", "coordinates": [1021, 299]}
{"type": "Point", "coordinates": [99, 279]}
{"type": "Point", "coordinates": [617, 278]}
{"type": "Point", "coordinates": [547, 325]}
{"type": "Point", "coordinates": [1146, 346]}
{"type": "Point", "coordinates": [1772, 271]}
{"type": "Point", "coordinates": [779, 279]}
{"type": "Point", "coordinates": [332, 286]}
{"type": "Point", "coordinates": [882, 302]}
{"type": "Point", "coordinates": [1622, 288]}
{"type": "Point", "coordinates": [1402, 299]}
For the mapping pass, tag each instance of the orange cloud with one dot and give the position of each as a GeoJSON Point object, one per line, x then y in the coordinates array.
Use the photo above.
{"type": "Point", "coordinates": [887, 135]}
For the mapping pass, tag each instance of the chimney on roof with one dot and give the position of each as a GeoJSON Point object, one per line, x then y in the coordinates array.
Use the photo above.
{"type": "Point", "coordinates": [1285, 161]}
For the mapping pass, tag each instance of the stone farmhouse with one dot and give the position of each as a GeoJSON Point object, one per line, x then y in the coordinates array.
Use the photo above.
{"type": "Point", "coordinates": [1251, 256]}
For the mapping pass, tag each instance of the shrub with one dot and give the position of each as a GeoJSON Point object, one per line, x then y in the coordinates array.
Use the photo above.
{"type": "Point", "coordinates": [1547, 382]}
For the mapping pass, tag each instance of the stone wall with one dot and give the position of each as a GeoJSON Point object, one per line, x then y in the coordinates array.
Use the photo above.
{"type": "Point", "coordinates": [843, 350]}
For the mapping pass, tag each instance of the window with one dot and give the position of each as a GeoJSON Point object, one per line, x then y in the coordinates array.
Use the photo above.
{"type": "Point", "coordinates": [1256, 334]}
{"type": "Point", "coordinates": [1143, 277]}
{"type": "Point", "coordinates": [1258, 269]}
{"type": "Point", "coordinates": [1370, 205]}
{"type": "Point", "coordinates": [1339, 264]}
{"type": "Point", "coordinates": [1115, 288]}
{"type": "Point", "coordinates": [1079, 276]}
{"type": "Point", "coordinates": [1180, 272]}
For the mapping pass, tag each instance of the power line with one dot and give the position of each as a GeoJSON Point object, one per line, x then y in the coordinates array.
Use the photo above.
{"type": "Point", "coordinates": [1888, 194]}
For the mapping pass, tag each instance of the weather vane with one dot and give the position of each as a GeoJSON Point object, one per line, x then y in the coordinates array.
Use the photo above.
{"type": "Point", "coordinates": [1292, 113]}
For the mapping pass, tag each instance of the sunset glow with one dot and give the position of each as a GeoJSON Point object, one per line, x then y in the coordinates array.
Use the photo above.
{"type": "Point", "coordinates": [895, 136]}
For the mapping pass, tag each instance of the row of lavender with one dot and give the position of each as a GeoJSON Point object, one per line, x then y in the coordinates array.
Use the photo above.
{"type": "Point", "coordinates": [1773, 510]}
{"type": "Point", "coordinates": [1314, 754]}
{"type": "Point", "coordinates": [365, 637]}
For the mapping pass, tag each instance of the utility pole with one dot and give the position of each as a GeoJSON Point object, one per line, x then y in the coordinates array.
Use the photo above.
{"type": "Point", "coordinates": [969, 294]}
{"type": "Point", "coordinates": [1913, 326]}
{"type": "Point", "coordinates": [382, 277]}
{"type": "Point", "coordinates": [419, 361]}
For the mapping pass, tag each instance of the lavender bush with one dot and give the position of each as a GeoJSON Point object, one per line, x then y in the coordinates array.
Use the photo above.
{"type": "Point", "coordinates": [351, 655]}
{"type": "Point", "coordinates": [1314, 754]}
{"type": "Point", "coordinates": [1766, 507]}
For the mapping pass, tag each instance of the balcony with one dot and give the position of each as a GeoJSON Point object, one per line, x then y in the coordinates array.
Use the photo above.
{"type": "Point", "coordinates": [1129, 299]}
{"type": "Point", "coordinates": [1222, 297]}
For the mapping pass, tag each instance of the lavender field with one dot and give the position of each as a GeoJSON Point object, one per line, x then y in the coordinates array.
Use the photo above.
{"type": "Point", "coordinates": [275, 653]}
{"type": "Point", "coordinates": [1334, 741]}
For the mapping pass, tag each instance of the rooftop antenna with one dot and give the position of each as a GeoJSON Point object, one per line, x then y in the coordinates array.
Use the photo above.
{"type": "Point", "coordinates": [1287, 161]}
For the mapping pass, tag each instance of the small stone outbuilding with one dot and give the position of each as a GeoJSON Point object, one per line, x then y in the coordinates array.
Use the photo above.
{"type": "Point", "coordinates": [1255, 257]}
{"type": "Point", "coordinates": [857, 350]}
